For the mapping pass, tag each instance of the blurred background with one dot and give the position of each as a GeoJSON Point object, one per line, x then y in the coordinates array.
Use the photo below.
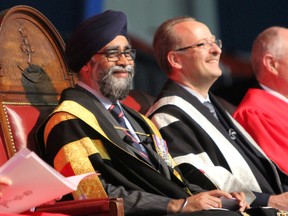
{"type": "Point", "coordinates": [236, 22]}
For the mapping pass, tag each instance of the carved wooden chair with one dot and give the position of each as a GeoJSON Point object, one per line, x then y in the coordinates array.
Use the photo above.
{"type": "Point", "coordinates": [33, 73]}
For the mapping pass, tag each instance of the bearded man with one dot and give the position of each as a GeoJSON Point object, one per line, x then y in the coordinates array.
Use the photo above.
{"type": "Point", "coordinates": [92, 131]}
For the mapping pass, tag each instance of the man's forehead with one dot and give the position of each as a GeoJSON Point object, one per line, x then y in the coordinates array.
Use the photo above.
{"type": "Point", "coordinates": [192, 30]}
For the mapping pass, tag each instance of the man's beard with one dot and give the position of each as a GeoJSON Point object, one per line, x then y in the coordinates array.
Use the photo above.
{"type": "Point", "coordinates": [113, 87]}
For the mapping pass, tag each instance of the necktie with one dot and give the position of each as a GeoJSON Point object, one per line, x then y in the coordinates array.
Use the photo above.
{"type": "Point", "coordinates": [211, 108]}
{"type": "Point", "coordinates": [117, 113]}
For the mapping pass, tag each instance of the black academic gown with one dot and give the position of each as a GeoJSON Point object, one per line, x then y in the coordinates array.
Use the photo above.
{"type": "Point", "coordinates": [185, 135]}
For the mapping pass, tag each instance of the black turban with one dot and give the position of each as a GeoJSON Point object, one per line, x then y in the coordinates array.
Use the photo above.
{"type": "Point", "coordinates": [92, 35]}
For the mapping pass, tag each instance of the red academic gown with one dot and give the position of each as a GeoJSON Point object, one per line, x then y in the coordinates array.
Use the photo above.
{"type": "Point", "coordinates": [265, 117]}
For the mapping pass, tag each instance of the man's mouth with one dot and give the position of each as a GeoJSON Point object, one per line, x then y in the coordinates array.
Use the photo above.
{"type": "Point", "coordinates": [213, 61]}
{"type": "Point", "coordinates": [121, 74]}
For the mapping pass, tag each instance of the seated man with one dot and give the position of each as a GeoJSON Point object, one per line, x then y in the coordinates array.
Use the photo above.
{"type": "Point", "coordinates": [91, 131]}
{"type": "Point", "coordinates": [198, 131]}
{"type": "Point", "coordinates": [263, 111]}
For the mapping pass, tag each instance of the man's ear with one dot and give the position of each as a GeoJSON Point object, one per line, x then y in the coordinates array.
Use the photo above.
{"type": "Point", "coordinates": [88, 66]}
{"type": "Point", "coordinates": [84, 71]}
{"type": "Point", "coordinates": [85, 68]}
{"type": "Point", "coordinates": [270, 63]}
{"type": "Point", "coordinates": [174, 60]}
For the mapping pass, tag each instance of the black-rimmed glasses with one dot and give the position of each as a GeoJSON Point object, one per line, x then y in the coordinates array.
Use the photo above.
{"type": "Point", "coordinates": [203, 45]}
{"type": "Point", "coordinates": [114, 55]}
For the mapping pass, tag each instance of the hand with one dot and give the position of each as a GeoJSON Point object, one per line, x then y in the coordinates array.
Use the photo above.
{"type": "Point", "coordinates": [241, 198]}
{"type": "Point", "coordinates": [279, 201]}
{"type": "Point", "coordinates": [201, 201]}
{"type": "Point", "coordinates": [4, 182]}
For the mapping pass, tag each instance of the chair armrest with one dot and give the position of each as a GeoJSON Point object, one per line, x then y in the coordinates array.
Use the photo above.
{"type": "Point", "coordinates": [103, 207]}
{"type": "Point", "coordinates": [116, 206]}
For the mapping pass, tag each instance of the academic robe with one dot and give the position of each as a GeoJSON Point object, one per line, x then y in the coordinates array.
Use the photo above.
{"type": "Point", "coordinates": [265, 118]}
{"type": "Point", "coordinates": [80, 137]}
{"type": "Point", "coordinates": [222, 150]}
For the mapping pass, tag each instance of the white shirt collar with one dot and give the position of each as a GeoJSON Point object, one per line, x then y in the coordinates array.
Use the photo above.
{"type": "Point", "coordinates": [194, 93]}
{"type": "Point", "coordinates": [105, 101]}
{"type": "Point", "coordinates": [274, 93]}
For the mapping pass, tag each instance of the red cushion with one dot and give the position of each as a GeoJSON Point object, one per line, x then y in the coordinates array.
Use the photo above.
{"type": "Point", "coordinates": [23, 121]}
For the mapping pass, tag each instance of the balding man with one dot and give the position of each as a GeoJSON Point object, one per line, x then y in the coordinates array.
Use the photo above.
{"type": "Point", "coordinates": [263, 111]}
{"type": "Point", "coordinates": [199, 131]}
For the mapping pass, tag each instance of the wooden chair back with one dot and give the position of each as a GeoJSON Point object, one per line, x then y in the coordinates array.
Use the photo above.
{"type": "Point", "coordinates": [33, 73]}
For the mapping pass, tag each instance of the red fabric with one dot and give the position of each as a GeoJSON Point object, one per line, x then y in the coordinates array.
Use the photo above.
{"type": "Point", "coordinates": [34, 214]}
{"type": "Point", "coordinates": [67, 170]}
{"type": "Point", "coordinates": [132, 103]}
{"type": "Point", "coordinates": [139, 101]}
{"type": "Point", "coordinates": [3, 154]}
{"type": "Point", "coordinates": [22, 120]}
{"type": "Point", "coordinates": [265, 118]}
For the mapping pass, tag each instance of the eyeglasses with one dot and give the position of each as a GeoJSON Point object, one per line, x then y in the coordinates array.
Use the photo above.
{"type": "Point", "coordinates": [114, 55]}
{"type": "Point", "coordinates": [203, 45]}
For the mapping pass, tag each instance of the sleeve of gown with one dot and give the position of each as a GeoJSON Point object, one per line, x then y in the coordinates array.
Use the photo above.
{"type": "Point", "coordinates": [268, 131]}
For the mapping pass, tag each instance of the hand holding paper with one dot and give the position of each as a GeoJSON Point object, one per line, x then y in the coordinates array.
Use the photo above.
{"type": "Point", "coordinates": [34, 182]}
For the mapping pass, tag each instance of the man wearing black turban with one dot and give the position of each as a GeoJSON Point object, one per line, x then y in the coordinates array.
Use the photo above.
{"type": "Point", "coordinates": [83, 135]}
{"type": "Point", "coordinates": [92, 35]}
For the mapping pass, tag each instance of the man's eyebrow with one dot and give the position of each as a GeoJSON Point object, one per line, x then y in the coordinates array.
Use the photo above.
{"type": "Point", "coordinates": [118, 47]}
{"type": "Point", "coordinates": [112, 48]}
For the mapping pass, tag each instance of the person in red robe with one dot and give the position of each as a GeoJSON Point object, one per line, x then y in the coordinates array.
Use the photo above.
{"type": "Point", "coordinates": [263, 111]}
